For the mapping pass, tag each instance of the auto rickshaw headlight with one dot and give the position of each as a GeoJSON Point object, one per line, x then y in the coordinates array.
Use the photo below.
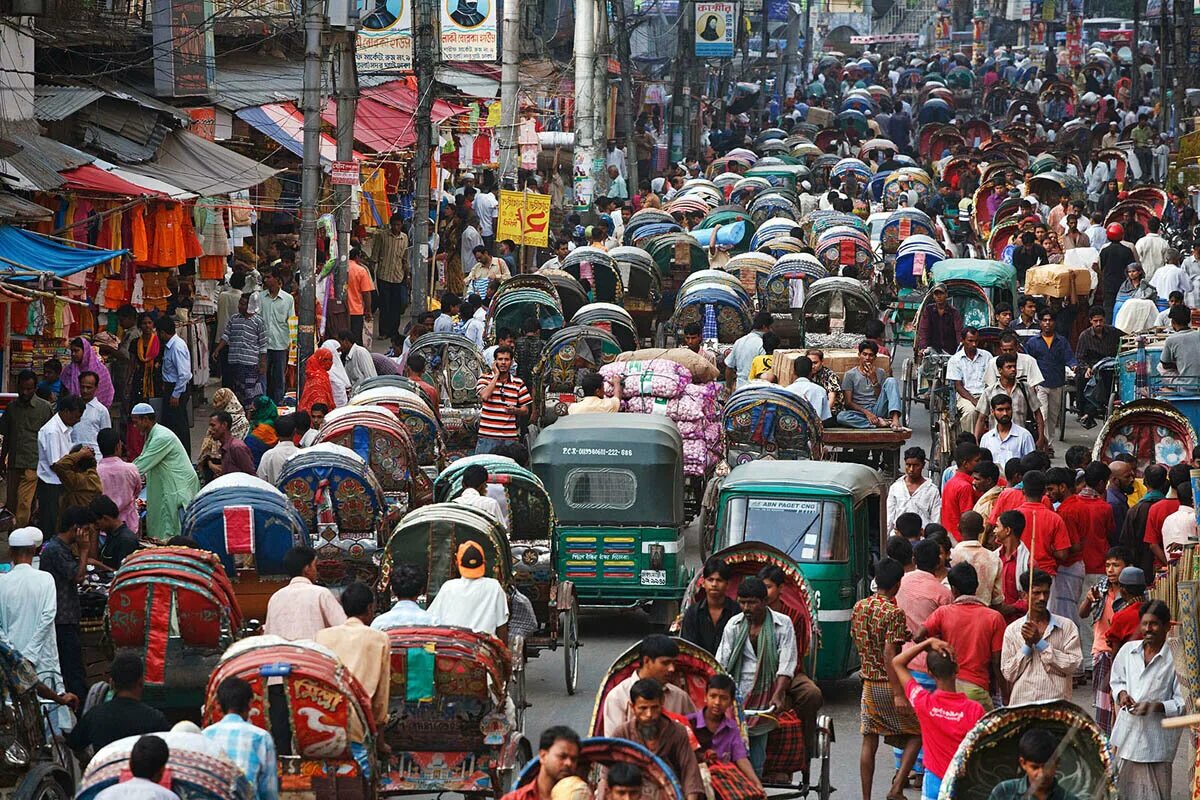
{"type": "Point", "coordinates": [530, 556]}
{"type": "Point", "coordinates": [16, 755]}
{"type": "Point", "coordinates": [657, 556]}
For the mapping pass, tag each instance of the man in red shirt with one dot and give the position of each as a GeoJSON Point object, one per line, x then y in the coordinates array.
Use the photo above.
{"type": "Point", "coordinates": [1099, 530]}
{"type": "Point", "coordinates": [1180, 473]}
{"type": "Point", "coordinates": [976, 633]}
{"type": "Point", "coordinates": [1045, 535]}
{"type": "Point", "coordinates": [1126, 622]}
{"type": "Point", "coordinates": [1009, 528]}
{"type": "Point", "coordinates": [558, 752]}
{"type": "Point", "coordinates": [1013, 496]}
{"type": "Point", "coordinates": [1068, 583]}
{"type": "Point", "coordinates": [959, 495]}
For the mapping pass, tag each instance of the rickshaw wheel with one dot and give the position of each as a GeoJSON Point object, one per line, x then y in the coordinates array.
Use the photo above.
{"type": "Point", "coordinates": [568, 627]}
{"type": "Point", "coordinates": [906, 393]}
{"type": "Point", "coordinates": [517, 690]}
{"type": "Point", "coordinates": [825, 739]}
{"type": "Point", "coordinates": [46, 789]}
{"type": "Point", "coordinates": [506, 778]}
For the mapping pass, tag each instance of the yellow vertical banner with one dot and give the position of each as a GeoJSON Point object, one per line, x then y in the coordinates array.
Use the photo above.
{"type": "Point", "coordinates": [524, 218]}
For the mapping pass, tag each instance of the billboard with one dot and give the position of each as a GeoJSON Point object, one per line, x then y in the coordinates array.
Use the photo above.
{"type": "Point", "coordinates": [468, 30]}
{"type": "Point", "coordinates": [715, 29]}
{"type": "Point", "coordinates": [384, 39]}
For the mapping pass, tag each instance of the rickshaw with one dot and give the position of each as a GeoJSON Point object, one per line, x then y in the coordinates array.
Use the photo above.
{"type": "Point", "coordinates": [997, 280]}
{"type": "Point", "coordinates": [325, 719]}
{"type": "Point", "coordinates": [763, 421]}
{"type": "Point", "coordinates": [903, 223]}
{"type": "Point", "coordinates": [411, 407]}
{"type": "Point", "coordinates": [37, 765]}
{"type": "Point", "coordinates": [880, 148]}
{"type": "Point", "coordinates": [774, 203]}
{"type": "Point", "coordinates": [916, 179]}
{"type": "Point", "coordinates": [827, 520]}
{"type": "Point", "coordinates": [343, 507]}
{"type": "Point", "coordinates": [197, 768]}
{"type": "Point", "coordinates": [381, 382]}
{"type": "Point", "coordinates": [521, 297]}
{"type": "Point", "coordinates": [219, 519]}
{"type": "Point", "coordinates": [771, 229]}
{"type": "Point", "coordinates": [753, 271]}
{"type": "Point", "coordinates": [535, 554]}
{"type": "Point", "coordinates": [155, 584]}
{"type": "Point", "coordinates": [619, 508]}
{"type": "Point", "coordinates": [453, 365]}
{"type": "Point", "coordinates": [915, 257]}
{"type": "Point", "coordinates": [787, 286]}
{"type": "Point", "coordinates": [595, 268]}
{"type": "Point", "coordinates": [597, 754]}
{"type": "Point", "coordinates": [1153, 431]}
{"type": "Point", "coordinates": [783, 175]}
{"type": "Point", "coordinates": [376, 434]}
{"type": "Point", "coordinates": [449, 729]}
{"type": "Point", "coordinates": [835, 314]}
{"type": "Point", "coordinates": [800, 603]}
{"type": "Point", "coordinates": [556, 376]}
{"type": "Point", "coordinates": [1054, 183]}
{"type": "Point", "coordinates": [648, 222]}
{"type": "Point", "coordinates": [988, 754]}
{"type": "Point", "coordinates": [643, 287]}
{"type": "Point", "coordinates": [846, 251]}
{"type": "Point", "coordinates": [677, 255]}
{"type": "Point", "coordinates": [717, 298]}
{"type": "Point", "coordinates": [609, 317]}
{"type": "Point", "coordinates": [571, 293]}
{"type": "Point", "coordinates": [1005, 234]}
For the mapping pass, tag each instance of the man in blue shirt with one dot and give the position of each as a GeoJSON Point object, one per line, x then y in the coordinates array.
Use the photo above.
{"type": "Point", "coordinates": [408, 583]}
{"type": "Point", "coordinates": [177, 382]}
{"type": "Point", "coordinates": [1053, 354]}
{"type": "Point", "coordinates": [245, 744]}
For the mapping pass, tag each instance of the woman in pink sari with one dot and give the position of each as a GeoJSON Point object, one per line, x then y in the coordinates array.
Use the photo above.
{"type": "Point", "coordinates": [84, 359]}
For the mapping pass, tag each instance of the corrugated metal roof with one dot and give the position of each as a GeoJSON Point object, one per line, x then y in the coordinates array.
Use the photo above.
{"type": "Point", "coordinates": [40, 159]}
{"type": "Point", "coordinates": [122, 148]}
{"type": "Point", "coordinates": [14, 208]}
{"type": "Point", "coordinates": [56, 103]}
{"type": "Point", "coordinates": [244, 83]}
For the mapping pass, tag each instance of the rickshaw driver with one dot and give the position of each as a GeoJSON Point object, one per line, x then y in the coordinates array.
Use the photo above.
{"type": "Point", "coordinates": [475, 494]}
{"type": "Point", "coordinates": [761, 657]}
{"type": "Point", "coordinates": [558, 752]}
{"type": "Point", "coordinates": [940, 327]}
{"type": "Point", "coordinates": [472, 600]}
{"type": "Point", "coordinates": [1036, 756]}
{"type": "Point", "coordinates": [656, 654]}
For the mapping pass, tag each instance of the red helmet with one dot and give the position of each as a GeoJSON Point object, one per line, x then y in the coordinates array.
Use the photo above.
{"type": "Point", "coordinates": [1116, 232]}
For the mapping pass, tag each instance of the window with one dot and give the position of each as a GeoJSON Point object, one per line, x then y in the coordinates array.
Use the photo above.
{"type": "Point", "coordinates": [592, 488]}
{"type": "Point", "coordinates": [805, 530]}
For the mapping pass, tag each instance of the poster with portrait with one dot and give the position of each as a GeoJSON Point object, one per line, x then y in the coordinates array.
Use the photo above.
{"type": "Point", "coordinates": [384, 35]}
{"type": "Point", "coordinates": [715, 29]}
{"type": "Point", "coordinates": [468, 30]}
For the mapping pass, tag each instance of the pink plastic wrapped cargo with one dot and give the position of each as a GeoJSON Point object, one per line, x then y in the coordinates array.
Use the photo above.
{"type": "Point", "coordinates": [680, 409]}
{"type": "Point", "coordinates": [697, 458]}
{"type": "Point", "coordinates": [649, 378]}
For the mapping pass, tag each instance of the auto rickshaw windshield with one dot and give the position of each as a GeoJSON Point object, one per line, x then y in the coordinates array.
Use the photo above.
{"type": "Point", "coordinates": [805, 530]}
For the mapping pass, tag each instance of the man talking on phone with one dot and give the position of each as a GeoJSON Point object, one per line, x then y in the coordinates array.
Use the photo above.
{"type": "Point", "coordinates": [506, 400]}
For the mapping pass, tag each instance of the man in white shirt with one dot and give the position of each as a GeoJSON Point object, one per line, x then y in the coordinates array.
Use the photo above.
{"type": "Point", "coordinates": [802, 387]}
{"type": "Point", "coordinates": [595, 399]}
{"type": "Point", "coordinates": [1152, 249]}
{"type": "Point", "coordinates": [1096, 233]}
{"type": "Point", "coordinates": [472, 600]}
{"type": "Point", "coordinates": [1008, 439]}
{"type": "Point", "coordinates": [1170, 278]}
{"type": "Point", "coordinates": [95, 414]}
{"type": "Point", "coordinates": [913, 492]}
{"type": "Point", "coordinates": [476, 323]}
{"type": "Point", "coordinates": [147, 763]}
{"type": "Point", "coordinates": [356, 358]}
{"type": "Point", "coordinates": [475, 493]}
{"type": "Point", "coordinates": [1095, 175]}
{"type": "Point", "coordinates": [745, 350]}
{"type": "Point", "coordinates": [488, 208]}
{"type": "Point", "coordinates": [54, 442]}
{"type": "Point", "coordinates": [270, 467]}
{"type": "Point", "coordinates": [1027, 365]}
{"type": "Point", "coordinates": [966, 370]}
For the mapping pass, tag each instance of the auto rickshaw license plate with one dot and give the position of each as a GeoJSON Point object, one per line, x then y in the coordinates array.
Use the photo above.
{"type": "Point", "coordinates": [654, 577]}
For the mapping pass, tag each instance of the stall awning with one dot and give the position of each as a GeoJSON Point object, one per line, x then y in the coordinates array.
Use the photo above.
{"type": "Point", "coordinates": [381, 125]}
{"type": "Point", "coordinates": [285, 124]}
{"type": "Point", "coordinates": [401, 96]}
{"type": "Point", "coordinates": [203, 167]}
{"type": "Point", "coordinates": [24, 253]}
{"type": "Point", "coordinates": [90, 178]}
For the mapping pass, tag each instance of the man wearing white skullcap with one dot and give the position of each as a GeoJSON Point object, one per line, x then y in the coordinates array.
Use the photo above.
{"type": "Point", "coordinates": [28, 605]}
{"type": "Point", "coordinates": [171, 480]}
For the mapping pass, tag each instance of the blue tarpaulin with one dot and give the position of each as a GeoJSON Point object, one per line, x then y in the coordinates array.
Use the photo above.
{"type": "Point", "coordinates": [35, 251]}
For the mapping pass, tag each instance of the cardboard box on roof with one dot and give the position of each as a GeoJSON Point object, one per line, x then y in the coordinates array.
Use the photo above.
{"type": "Point", "coordinates": [840, 361]}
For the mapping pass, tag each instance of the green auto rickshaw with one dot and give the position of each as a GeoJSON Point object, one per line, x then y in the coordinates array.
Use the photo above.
{"type": "Point", "coordinates": [826, 518]}
{"type": "Point", "coordinates": [616, 482]}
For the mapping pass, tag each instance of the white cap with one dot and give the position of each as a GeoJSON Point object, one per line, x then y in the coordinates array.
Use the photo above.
{"type": "Point", "coordinates": [28, 536]}
{"type": "Point", "coordinates": [142, 410]}
{"type": "Point", "coordinates": [468, 176]}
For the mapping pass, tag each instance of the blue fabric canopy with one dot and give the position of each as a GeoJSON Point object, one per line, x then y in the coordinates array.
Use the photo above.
{"type": "Point", "coordinates": [35, 251]}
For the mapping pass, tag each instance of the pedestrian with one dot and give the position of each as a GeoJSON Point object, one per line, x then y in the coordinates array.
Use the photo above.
{"type": "Point", "coordinates": [407, 583]}
{"type": "Point", "coordinates": [1068, 580]}
{"type": "Point", "coordinates": [243, 743]}
{"type": "Point", "coordinates": [655, 660]}
{"type": "Point", "coordinates": [958, 495]}
{"type": "Point", "coordinates": [54, 442]}
{"type": "Point", "coordinates": [171, 481]}
{"type": "Point", "coordinates": [1045, 535]}
{"type": "Point", "coordinates": [1126, 620]}
{"type": "Point", "coordinates": [365, 652]}
{"type": "Point", "coordinates": [974, 632]}
{"type": "Point", "coordinates": [302, 608]}
{"type": "Point", "coordinates": [1137, 521]}
{"type": "Point", "coordinates": [705, 620]}
{"type": "Point", "coordinates": [1041, 650]}
{"type": "Point", "coordinates": [877, 626]}
{"type": "Point", "coordinates": [472, 600]}
{"type": "Point", "coordinates": [148, 766]}
{"type": "Point", "coordinates": [1120, 489]}
{"type": "Point", "coordinates": [1097, 608]}
{"type": "Point", "coordinates": [177, 379]}
{"type": "Point", "coordinates": [85, 359]}
{"type": "Point", "coordinates": [749, 347]}
{"type": "Point", "coordinates": [276, 307]}
{"type": "Point", "coordinates": [921, 592]}
{"type": "Point", "coordinates": [986, 482]}
{"type": "Point", "coordinates": [271, 465]}
{"type": "Point", "coordinates": [946, 714]}
{"type": "Point", "coordinates": [339, 379]}
{"type": "Point", "coordinates": [23, 418]}
{"type": "Point", "coordinates": [244, 345]}
{"type": "Point", "coordinates": [389, 247]}
{"type": "Point", "coordinates": [80, 481]}
{"type": "Point", "coordinates": [29, 609]}
{"type": "Point", "coordinates": [758, 649]}
{"type": "Point", "coordinates": [125, 714]}
{"type": "Point", "coordinates": [95, 413]}
{"type": "Point", "coordinates": [119, 479]}
{"type": "Point", "coordinates": [505, 400]}
{"type": "Point", "coordinates": [414, 370]}
{"type": "Point", "coordinates": [145, 377]}
{"type": "Point", "coordinates": [355, 358]}
{"type": "Point", "coordinates": [119, 541]}
{"type": "Point", "coordinates": [558, 754]}
{"type": "Point", "coordinates": [986, 562]}
{"type": "Point", "coordinates": [662, 736]}
{"type": "Point", "coordinates": [1178, 475]}
{"type": "Point", "coordinates": [912, 491]}
{"type": "Point", "coordinates": [76, 531]}
{"type": "Point", "coordinates": [1179, 528]}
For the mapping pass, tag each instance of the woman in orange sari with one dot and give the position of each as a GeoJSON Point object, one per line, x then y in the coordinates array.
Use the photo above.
{"type": "Point", "coordinates": [145, 378]}
{"type": "Point", "coordinates": [317, 386]}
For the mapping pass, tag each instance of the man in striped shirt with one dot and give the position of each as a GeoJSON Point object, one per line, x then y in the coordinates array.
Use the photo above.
{"type": "Point", "coordinates": [245, 337]}
{"type": "Point", "coordinates": [505, 400]}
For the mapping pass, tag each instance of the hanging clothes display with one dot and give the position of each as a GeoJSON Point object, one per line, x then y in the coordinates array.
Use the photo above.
{"type": "Point", "coordinates": [167, 248]}
{"type": "Point", "coordinates": [528, 141]}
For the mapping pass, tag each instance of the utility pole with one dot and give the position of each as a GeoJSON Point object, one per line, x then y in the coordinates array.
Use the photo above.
{"type": "Point", "coordinates": [624, 34]}
{"type": "Point", "coordinates": [310, 184]}
{"type": "Point", "coordinates": [509, 103]}
{"type": "Point", "coordinates": [1164, 47]}
{"type": "Point", "coordinates": [683, 55]}
{"type": "Point", "coordinates": [347, 104]}
{"type": "Point", "coordinates": [585, 64]}
{"type": "Point", "coordinates": [1135, 72]}
{"type": "Point", "coordinates": [426, 55]}
{"type": "Point", "coordinates": [806, 62]}
{"type": "Point", "coordinates": [787, 58]}
{"type": "Point", "coordinates": [600, 98]}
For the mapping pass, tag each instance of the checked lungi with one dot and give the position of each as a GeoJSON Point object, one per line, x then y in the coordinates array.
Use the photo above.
{"type": "Point", "coordinates": [881, 716]}
{"type": "Point", "coordinates": [245, 382]}
{"type": "Point", "coordinates": [730, 783]}
{"type": "Point", "coordinates": [1102, 693]}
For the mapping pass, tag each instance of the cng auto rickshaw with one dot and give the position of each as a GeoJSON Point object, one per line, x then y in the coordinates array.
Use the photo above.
{"type": "Point", "coordinates": [827, 520]}
{"type": "Point", "coordinates": [617, 484]}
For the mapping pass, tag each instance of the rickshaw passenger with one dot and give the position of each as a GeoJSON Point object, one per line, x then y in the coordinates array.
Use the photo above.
{"type": "Point", "coordinates": [244, 743]}
{"type": "Point", "coordinates": [705, 621]}
{"type": "Point", "coordinates": [558, 752]}
{"type": "Point", "coordinates": [662, 736]}
{"type": "Point", "coordinates": [966, 369]}
{"type": "Point", "coordinates": [804, 388]}
{"type": "Point", "coordinates": [1027, 366]}
{"type": "Point", "coordinates": [475, 494]}
{"type": "Point", "coordinates": [870, 395]}
{"type": "Point", "coordinates": [721, 745]}
{"type": "Point", "coordinates": [657, 654]}
{"type": "Point", "coordinates": [595, 399]}
{"type": "Point", "coordinates": [623, 781]}
{"type": "Point", "coordinates": [407, 583]}
{"type": "Point", "coordinates": [472, 600]}
{"type": "Point", "coordinates": [764, 669]}
{"type": "Point", "coordinates": [300, 609]}
{"type": "Point", "coordinates": [147, 762]}
{"type": "Point", "coordinates": [940, 326]}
